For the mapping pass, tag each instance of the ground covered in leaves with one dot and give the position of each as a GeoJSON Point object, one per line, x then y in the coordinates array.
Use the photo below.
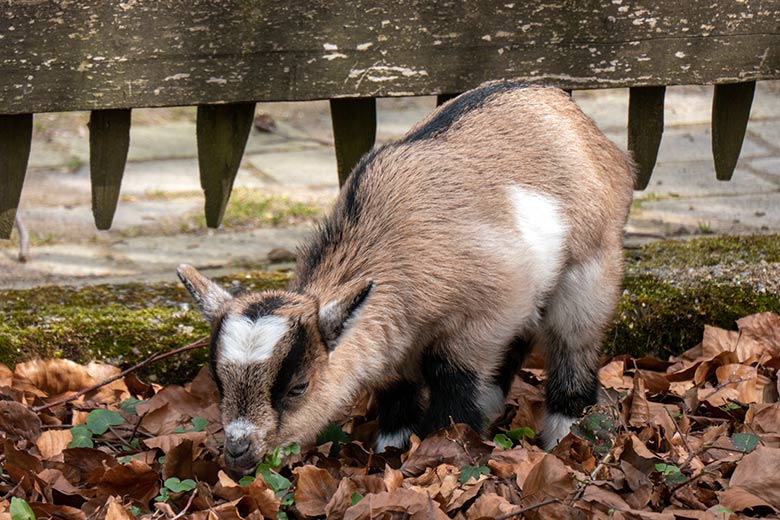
{"type": "Point", "coordinates": [693, 437]}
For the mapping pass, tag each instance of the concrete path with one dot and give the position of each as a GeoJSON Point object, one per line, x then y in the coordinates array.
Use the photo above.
{"type": "Point", "coordinates": [158, 224]}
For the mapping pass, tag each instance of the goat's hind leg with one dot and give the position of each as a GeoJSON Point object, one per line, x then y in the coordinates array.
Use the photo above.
{"type": "Point", "coordinates": [574, 323]}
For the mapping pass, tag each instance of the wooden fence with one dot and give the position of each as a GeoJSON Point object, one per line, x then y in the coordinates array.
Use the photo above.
{"type": "Point", "coordinates": [224, 56]}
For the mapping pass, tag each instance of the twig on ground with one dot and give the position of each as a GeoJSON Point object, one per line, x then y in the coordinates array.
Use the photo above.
{"type": "Point", "coordinates": [202, 342]}
{"type": "Point", "coordinates": [187, 505]}
{"type": "Point", "coordinates": [460, 442]}
{"type": "Point", "coordinates": [529, 508]}
{"type": "Point", "coordinates": [13, 489]}
{"type": "Point", "coordinates": [679, 431]}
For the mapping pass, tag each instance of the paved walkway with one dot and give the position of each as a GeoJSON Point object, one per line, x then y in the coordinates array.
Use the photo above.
{"type": "Point", "coordinates": [161, 193]}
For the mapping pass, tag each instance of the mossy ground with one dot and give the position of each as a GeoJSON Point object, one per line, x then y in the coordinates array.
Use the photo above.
{"type": "Point", "coordinates": [122, 324]}
{"type": "Point", "coordinates": [119, 324]}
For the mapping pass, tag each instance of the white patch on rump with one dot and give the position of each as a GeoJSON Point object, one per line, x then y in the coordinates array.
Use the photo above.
{"type": "Point", "coordinates": [543, 227]}
{"type": "Point", "coordinates": [396, 440]}
{"type": "Point", "coordinates": [245, 341]}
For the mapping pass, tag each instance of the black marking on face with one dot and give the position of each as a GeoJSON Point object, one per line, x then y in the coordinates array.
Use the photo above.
{"type": "Point", "coordinates": [400, 407]}
{"type": "Point", "coordinates": [216, 331]}
{"type": "Point", "coordinates": [516, 352]}
{"type": "Point", "coordinates": [264, 307]}
{"type": "Point", "coordinates": [292, 366]}
{"type": "Point", "coordinates": [454, 393]}
{"type": "Point", "coordinates": [463, 104]}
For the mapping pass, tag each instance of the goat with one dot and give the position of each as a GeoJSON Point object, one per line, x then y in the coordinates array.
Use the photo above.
{"type": "Point", "coordinates": [494, 224]}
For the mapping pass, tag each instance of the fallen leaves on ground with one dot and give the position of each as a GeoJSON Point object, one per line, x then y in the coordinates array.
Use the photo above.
{"type": "Point", "coordinates": [693, 437]}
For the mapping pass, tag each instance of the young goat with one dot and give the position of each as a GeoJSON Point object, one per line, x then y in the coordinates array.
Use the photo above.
{"type": "Point", "coordinates": [494, 224]}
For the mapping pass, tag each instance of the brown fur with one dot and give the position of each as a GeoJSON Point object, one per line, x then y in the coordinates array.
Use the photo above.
{"type": "Point", "coordinates": [428, 211]}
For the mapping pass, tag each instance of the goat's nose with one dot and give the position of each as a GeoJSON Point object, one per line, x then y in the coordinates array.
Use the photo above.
{"type": "Point", "coordinates": [235, 448]}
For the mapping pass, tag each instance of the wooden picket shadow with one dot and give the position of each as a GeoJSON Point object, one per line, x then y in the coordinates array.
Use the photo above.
{"type": "Point", "coordinates": [730, 113]}
{"type": "Point", "coordinates": [15, 140]}
{"type": "Point", "coordinates": [645, 128]}
{"type": "Point", "coordinates": [109, 140]}
{"type": "Point", "coordinates": [222, 133]}
{"type": "Point", "coordinates": [354, 131]}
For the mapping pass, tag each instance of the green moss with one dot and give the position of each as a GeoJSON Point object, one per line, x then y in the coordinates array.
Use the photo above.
{"type": "Point", "coordinates": [248, 208]}
{"type": "Point", "coordinates": [708, 251]}
{"type": "Point", "coordinates": [120, 324]}
{"type": "Point", "coordinates": [656, 318]}
{"type": "Point", "coordinates": [661, 312]}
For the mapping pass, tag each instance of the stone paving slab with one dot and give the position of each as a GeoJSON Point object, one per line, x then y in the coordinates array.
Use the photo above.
{"type": "Point", "coordinates": [144, 259]}
{"type": "Point", "coordinates": [162, 182]}
{"type": "Point", "coordinates": [315, 168]}
{"type": "Point", "coordinates": [752, 213]}
{"type": "Point", "coordinates": [697, 179]}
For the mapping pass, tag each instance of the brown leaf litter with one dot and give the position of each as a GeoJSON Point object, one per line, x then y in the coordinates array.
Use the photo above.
{"type": "Point", "coordinates": [693, 437]}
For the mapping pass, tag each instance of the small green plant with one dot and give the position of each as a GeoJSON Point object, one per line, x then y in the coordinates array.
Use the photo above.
{"type": "Point", "coordinates": [508, 439]}
{"type": "Point", "coordinates": [356, 497]}
{"type": "Point", "coordinates": [705, 228]}
{"type": "Point", "coordinates": [598, 429]}
{"type": "Point", "coordinates": [745, 442]}
{"type": "Point", "coordinates": [74, 163]}
{"type": "Point", "coordinates": [98, 422]}
{"type": "Point", "coordinates": [333, 433]}
{"type": "Point", "coordinates": [21, 510]}
{"type": "Point", "coordinates": [198, 424]}
{"type": "Point", "coordinates": [467, 472]}
{"type": "Point", "coordinates": [129, 404]}
{"type": "Point", "coordinates": [279, 484]}
{"type": "Point", "coordinates": [671, 473]}
{"type": "Point", "coordinates": [174, 485]}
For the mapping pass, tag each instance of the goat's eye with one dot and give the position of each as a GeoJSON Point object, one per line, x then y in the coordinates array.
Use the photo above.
{"type": "Point", "coordinates": [298, 390]}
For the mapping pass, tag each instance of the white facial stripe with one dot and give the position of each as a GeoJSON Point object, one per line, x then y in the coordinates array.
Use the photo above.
{"type": "Point", "coordinates": [541, 222]}
{"type": "Point", "coordinates": [245, 341]}
{"type": "Point", "coordinates": [240, 428]}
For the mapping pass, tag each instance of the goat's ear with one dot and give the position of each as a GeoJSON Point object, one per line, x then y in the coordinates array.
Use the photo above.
{"type": "Point", "coordinates": [334, 316]}
{"type": "Point", "coordinates": [208, 295]}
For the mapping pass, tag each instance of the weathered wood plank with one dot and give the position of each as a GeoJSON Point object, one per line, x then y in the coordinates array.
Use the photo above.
{"type": "Point", "coordinates": [15, 139]}
{"type": "Point", "coordinates": [730, 113]}
{"type": "Point", "coordinates": [103, 54]}
{"type": "Point", "coordinates": [109, 140]}
{"type": "Point", "coordinates": [354, 130]}
{"type": "Point", "coordinates": [645, 128]}
{"type": "Point", "coordinates": [222, 132]}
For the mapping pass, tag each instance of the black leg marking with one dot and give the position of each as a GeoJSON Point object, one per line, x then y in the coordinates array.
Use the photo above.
{"type": "Point", "coordinates": [516, 352]}
{"type": "Point", "coordinates": [573, 380]}
{"type": "Point", "coordinates": [400, 407]}
{"type": "Point", "coordinates": [454, 393]}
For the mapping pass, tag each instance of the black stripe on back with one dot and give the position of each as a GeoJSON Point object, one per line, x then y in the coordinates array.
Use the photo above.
{"type": "Point", "coordinates": [449, 113]}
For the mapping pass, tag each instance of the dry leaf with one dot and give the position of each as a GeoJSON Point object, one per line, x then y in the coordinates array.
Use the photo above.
{"type": "Point", "coordinates": [18, 422]}
{"type": "Point", "coordinates": [313, 490]}
{"type": "Point", "coordinates": [51, 443]}
{"type": "Point", "coordinates": [401, 503]}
